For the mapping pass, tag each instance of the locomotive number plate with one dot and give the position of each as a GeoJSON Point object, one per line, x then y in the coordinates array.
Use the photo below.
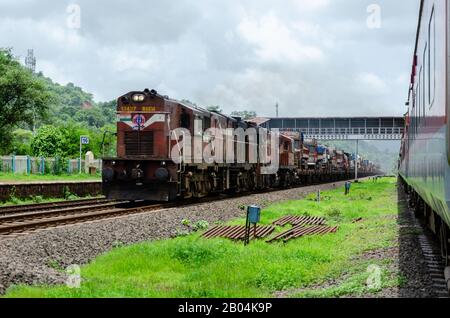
{"type": "Point", "coordinates": [128, 109]}
{"type": "Point", "coordinates": [131, 109]}
{"type": "Point", "coordinates": [148, 108]}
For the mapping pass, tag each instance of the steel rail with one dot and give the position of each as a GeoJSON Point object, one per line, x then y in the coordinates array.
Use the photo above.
{"type": "Point", "coordinates": [13, 217]}
{"type": "Point", "coordinates": [43, 206]}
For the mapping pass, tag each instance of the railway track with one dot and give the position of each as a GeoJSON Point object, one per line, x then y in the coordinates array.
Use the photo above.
{"type": "Point", "coordinates": [24, 223]}
{"type": "Point", "coordinates": [43, 214]}
{"type": "Point", "coordinates": [433, 261]}
{"type": "Point", "coordinates": [16, 221]}
{"type": "Point", "coordinates": [20, 220]}
{"type": "Point", "coordinates": [45, 206]}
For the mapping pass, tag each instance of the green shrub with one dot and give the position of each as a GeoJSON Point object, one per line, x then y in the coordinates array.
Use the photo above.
{"type": "Point", "coordinates": [186, 222]}
{"type": "Point", "coordinates": [201, 225]}
{"type": "Point", "coordinates": [72, 197]}
{"type": "Point", "coordinates": [38, 199]}
{"type": "Point", "coordinates": [334, 213]}
{"type": "Point", "coordinates": [52, 263]}
{"type": "Point", "coordinates": [69, 195]}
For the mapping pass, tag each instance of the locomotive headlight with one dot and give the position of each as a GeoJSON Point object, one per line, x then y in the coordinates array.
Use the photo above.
{"type": "Point", "coordinates": [138, 97]}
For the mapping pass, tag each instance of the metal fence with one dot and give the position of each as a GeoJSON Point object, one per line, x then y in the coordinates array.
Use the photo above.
{"type": "Point", "coordinates": [33, 165]}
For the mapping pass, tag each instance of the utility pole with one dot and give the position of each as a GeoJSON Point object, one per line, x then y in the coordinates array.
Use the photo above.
{"type": "Point", "coordinates": [30, 64]}
{"type": "Point", "coordinates": [276, 106]}
{"type": "Point", "coordinates": [30, 61]}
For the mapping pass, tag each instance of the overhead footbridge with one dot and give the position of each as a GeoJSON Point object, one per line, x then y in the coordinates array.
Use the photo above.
{"type": "Point", "coordinates": [339, 128]}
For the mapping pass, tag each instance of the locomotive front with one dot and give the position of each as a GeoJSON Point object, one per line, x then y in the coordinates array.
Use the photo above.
{"type": "Point", "coordinates": [142, 169]}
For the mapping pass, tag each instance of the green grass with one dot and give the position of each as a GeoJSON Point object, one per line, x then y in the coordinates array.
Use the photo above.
{"type": "Point", "coordinates": [194, 267]}
{"type": "Point", "coordinates": [18, 177]}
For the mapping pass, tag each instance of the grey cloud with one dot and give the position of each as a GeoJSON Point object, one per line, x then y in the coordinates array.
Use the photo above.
{"type": "Point", "coordinates": [196, 50]}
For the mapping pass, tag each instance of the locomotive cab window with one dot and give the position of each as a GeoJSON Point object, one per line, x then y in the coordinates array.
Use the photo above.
{"type": "Point", "coordinates": [206, 123]}
{"type": "Point", "coordinates": [185, 119]}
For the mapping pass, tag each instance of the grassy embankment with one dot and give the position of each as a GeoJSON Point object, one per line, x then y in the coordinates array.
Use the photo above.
{"type": "Point", "coordinates": [17, 177]}
{"type": "Point", "coordinates": [194, 267]}
{"type": "Point", "coordinates": [39, 199]}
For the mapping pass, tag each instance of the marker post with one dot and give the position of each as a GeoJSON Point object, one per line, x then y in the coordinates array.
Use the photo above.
{"type": "Point", "coordinates": [84, 140]}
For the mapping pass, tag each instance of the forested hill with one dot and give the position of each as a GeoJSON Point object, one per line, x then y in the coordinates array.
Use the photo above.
{"type": "Point", "coordinates": [72, 103]}
{"type": "Point", "coordinates": [41, 118]}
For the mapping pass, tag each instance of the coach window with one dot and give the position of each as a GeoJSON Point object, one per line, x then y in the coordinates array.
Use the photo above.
{"type": "Point", "coordinates": [419, 102]}
{"type": "Point", "coordinates": [426, 81]}
{"type": "Point", "coordinates": [412, 116]}
{"type": "Point", "coordinates": [431, 59]}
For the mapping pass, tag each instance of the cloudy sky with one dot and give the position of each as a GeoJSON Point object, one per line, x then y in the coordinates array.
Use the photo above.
{"type": "Point", "coordinates": [313, 57]}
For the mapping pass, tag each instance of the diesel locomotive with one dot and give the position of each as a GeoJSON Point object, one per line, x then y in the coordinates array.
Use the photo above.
{"type": "Point", "coordinates": [164, 151]}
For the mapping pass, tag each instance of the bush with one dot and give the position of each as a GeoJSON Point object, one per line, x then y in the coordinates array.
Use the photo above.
{"type": "Point", "coordinates": [334, 214]}
{"type": "Point", "coordinates": [186, 222]}
{"type": "Point", "coordinates": [68, 195]}
{"type": "Point", "coordinates": [12, 196]}
{"type": "Point", "coordinates": [48, 142]}
{"type": "Point", "coordinates": [201, 225]}
{"type": "Point", "coordinates": [38, 199]}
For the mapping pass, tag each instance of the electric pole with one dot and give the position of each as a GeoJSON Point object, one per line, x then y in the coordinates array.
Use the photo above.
{"type": "Point", "coordinates": [30, 61]}
{"type": "Point", "coordinates": [30, 64]}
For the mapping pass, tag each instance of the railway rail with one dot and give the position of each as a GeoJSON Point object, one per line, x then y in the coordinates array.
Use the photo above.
{"type": "Point", "coordinates": [25, 223]}
{"type": "Point", "coordinates": [45, 206]}
{"type": "Point", "coordinates": [42, 214]}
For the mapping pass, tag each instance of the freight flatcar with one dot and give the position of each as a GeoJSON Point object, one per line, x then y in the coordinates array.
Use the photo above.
{"type": "Point", "coordinates": [167, 149]}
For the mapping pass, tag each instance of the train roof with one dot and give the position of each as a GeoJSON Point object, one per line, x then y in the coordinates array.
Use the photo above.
{"type": "Point", "coordinates": [194, 108]}
{"type": "Point", "coordinates": [416, 44]}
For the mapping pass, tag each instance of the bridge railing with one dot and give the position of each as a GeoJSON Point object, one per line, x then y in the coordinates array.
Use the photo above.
{"type": "Point", "coordinates": [349, 131]}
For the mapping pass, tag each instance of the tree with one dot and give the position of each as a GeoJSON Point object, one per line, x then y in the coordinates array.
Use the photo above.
{"type": "Point", "coordinates": [48, 142]}
{"type": "Point", "coordinates": [245, 115]}
{"type": "Point", "coordinates": [109, 110]}
{"type": "Point", "coordinates": [21, 144]}
{"type": "Point", "coordinates": [93, 117]}
{"type": "Point", "coordinates": [23, 98]}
